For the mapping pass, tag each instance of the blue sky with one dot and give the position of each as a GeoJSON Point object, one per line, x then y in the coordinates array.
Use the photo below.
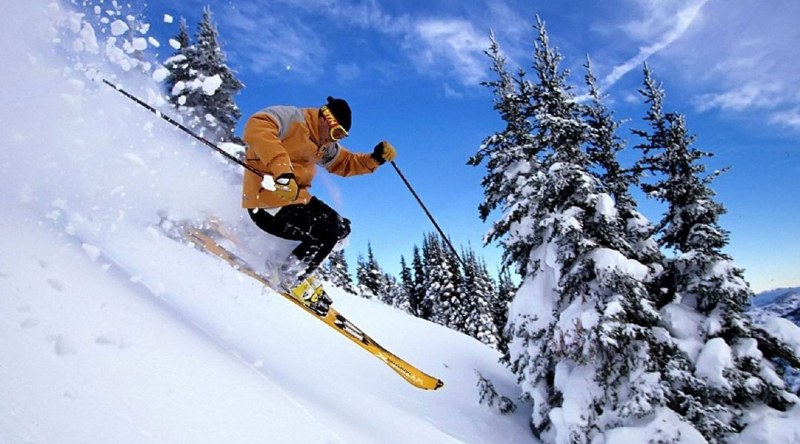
{"type": "Point", "coordinates": [411, 72]}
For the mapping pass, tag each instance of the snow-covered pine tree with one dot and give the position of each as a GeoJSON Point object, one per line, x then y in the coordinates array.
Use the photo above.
{"type": "Point", "coordinates": [218, 85]}
{"type": "Point", "coordinates": [337, 272]}
{"type": "Point", "coordinates": [407, 282]}
{"type": "Point", "coordinates": [457, 312]}
{"type": "Point", "coordinates": [178, 66]}
{"type": "Point", "coordinates": [734, 381]}
{"type": "Point", "coordinates": [513, 170]}
{"type": "Point", "coordinates": [506, 289]}
{"type": "Point", "coordinates": [441, 293]}
{"type": "Point", "coordinates": [582, 322]}
{"type": "Point", "coordinates": [369, 276]}
{"type": "Point", "coordinates": [477, 295]}
{"type": "Point", "coordinates": [393, 293]}
{"type": "Point", "coordinates": [417, 295]}
{"type": "Point", "coordinates": [602, 146]}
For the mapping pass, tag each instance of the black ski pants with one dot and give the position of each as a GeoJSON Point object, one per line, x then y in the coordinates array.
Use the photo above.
{"type": "Point", "coordinates": [317, 226]}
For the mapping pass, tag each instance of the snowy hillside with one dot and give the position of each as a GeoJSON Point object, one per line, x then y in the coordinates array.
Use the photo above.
{"type": "Point", "coordinates": [111, 332]}
{"type": "Point", "coordinates": [779, 295]}
{"type": "Point", "coordinates": [773, 309]}
{"type": "Point", "coordinates": [783, 302]}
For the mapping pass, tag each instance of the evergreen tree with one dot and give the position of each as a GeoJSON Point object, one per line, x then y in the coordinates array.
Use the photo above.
{"type": "Point", "coordinates": [417, 295]}
{"type": "Point", "coordinates": [180, 73]}
{"type": "Point", "coordinates": [477, 296]}
{"type": "Point", "coordinates": [513, 169]}
{"type": "Point", "coordinates": [201, 85]}
{"type": "Point", "coordinates": [441, 295]}
{"type": "Point", "coordinates": [733, 377]}
{"type": "Point", "coordinates": [582, 322]}
{"type": "Point", "coordinates": [218, 106]}
{"type": "Point", "coordinates": [411, 304]}
{"type": "Point", "coordinates": [336, 271]}
{"type": "Point", "coordinates": [393, 293]}
{"type": "Point", "coordinates": [369, 276]}
{"type": "Point", "coordinates": [506, 290]}
{"type": "Point", "coordinates": [603, 146]}
{"type": "Point", "coordinates": [456, 310]}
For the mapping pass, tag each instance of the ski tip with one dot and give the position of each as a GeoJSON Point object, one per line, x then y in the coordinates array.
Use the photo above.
{"type": "Point", "coordinates": [431, 384]}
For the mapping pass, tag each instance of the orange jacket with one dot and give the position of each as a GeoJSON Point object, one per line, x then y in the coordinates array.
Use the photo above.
{"type": "Point", "coordinates": [284, 139]}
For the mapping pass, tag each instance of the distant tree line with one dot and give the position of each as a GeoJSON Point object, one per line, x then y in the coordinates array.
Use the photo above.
{"type": "Point", "coordinates": [434, 286]}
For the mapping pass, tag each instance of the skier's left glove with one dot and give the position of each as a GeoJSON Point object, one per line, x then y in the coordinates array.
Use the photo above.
{"type": "Point", "coordinates": [286, 188]}
{"type": "Point", "coordinates": [384, 151]}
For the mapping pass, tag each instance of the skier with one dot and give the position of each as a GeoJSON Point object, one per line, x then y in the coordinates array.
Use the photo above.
{"type": "Point", "coordinates": [286, 143]}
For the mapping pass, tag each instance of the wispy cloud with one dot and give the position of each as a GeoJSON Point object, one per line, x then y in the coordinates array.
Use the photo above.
{"type": "Point", "coordinates": [264, 42]}
{"type": "Point", "coordinates": [679, 23]}
{"type": "Point", "coordinates": [746, 59]}
{"type": "Point", "coordinates": [454, 45]}
{"type": "Point", "coordinates": [271, 36]}
{"type": "Point", "coordinates": [789, 118]}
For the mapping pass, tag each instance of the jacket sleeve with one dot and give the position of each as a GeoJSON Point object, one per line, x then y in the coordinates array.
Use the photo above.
{"type": "Point", "coordinates": [340, 161]}
{"type": "Point", "coordinates": [264, 145]}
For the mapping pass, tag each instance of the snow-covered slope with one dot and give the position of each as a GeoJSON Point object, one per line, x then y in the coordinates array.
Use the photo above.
{"type": "Point", "coordinates": [784, 302]}
{"type": "Point", "coordinates": [767, 297]}
{"type": "Point", "coordinates": [111, 332]}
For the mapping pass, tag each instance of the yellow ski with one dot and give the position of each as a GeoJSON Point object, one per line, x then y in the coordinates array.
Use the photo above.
{"type": "Point", "coordinates": [333, 318]}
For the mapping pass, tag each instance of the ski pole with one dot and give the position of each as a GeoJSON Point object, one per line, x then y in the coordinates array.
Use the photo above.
{"type": "Point", "coordinates": [428, 213]}
{"type": "Point", "coordinates": [180, 126]}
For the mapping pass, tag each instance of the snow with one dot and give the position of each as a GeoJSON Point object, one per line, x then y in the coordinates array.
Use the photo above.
{"type": "Point", "coordinates": [268, 183]}
{"type": "Point", "coordinates": [605, 206]}
{"type": "Point", "coordinates": [683, 324]}
{"type": "Point", "coordinates": [715, 357]}
{"type": "Point", "coordinates": [139, 44]}
{"type": "Point", "coordinates": [118, 27]}
{"type": "Point", "coordinates": [663, 426]}
{"type": "Point", "coordinates": [211, 84]}
{"type": "Point", "coordinates": [575, 382]}
{"type": "Point", "coordinates": [785, 330]}
{"type": "Point", "coordinates": [772, 427]}
{"type": "Point", "coordinates": [167, 18]}
{"type": "Point", "coordinates": [112, 332]}
{"type": "Point", "coordinates": [608, 261]}
{"type": "Point", "coordinates": [160, 74]}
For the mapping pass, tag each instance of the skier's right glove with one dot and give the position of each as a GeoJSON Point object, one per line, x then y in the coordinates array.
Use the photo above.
{"type": "Point", "coordinates": [286, 188]}
{"type": "Point", "coordinates": [384, 151]}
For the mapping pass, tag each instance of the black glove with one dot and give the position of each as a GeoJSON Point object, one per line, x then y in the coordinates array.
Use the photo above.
{"type": "Point", "coordinates": [384, 151]}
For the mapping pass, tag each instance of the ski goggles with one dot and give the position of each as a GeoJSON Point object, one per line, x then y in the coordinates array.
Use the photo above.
{"type": "Point", "coordinates": [337, 131]}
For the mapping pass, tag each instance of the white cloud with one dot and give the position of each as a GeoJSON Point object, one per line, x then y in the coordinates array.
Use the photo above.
{"type": "Point", "coordinates": [747, 96]}
{"type": "Point", "coordinates": [266, 36]}
{"type": "Point", "coordinates": [267, 42]}
{"type": "Point", "coordinates": [348, 71]}
{"type": "Point", "coordinates": [789, 118]}
{"type": "Point", "coordinates": [656, 19]}
{"type": "Point", "coordinates": [740, 57]}
{"type": "Point", "coordinates": [746, 59]}
{"type": "Point", "coordinates": [453, 45]}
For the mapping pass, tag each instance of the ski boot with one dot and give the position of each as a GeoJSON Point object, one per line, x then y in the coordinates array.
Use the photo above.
{"type": "Point", "coordinates": [310, 292]}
